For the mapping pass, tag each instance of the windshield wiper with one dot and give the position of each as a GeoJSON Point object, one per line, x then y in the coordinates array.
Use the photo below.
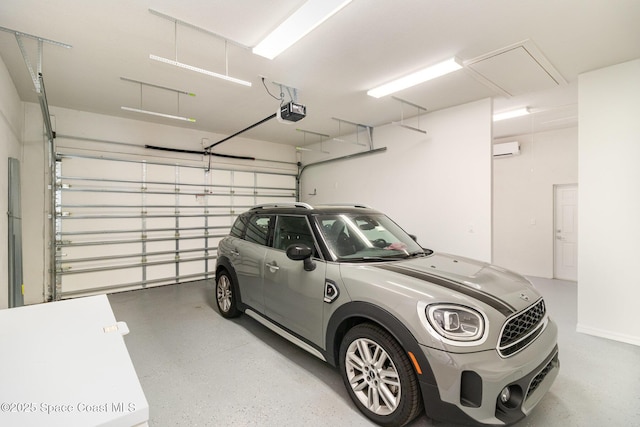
{"type": "Point", "coordinates": [370, 259]}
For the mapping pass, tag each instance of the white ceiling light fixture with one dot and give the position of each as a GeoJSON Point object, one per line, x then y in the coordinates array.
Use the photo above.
{"type": "Point", "coordinates": [421, 76]}
{"type": "Point", "coordinates": [182, 65]}
{"type": "Point", "coordinates": [153, 113]}
{"type": "Point", "coordinates": [304, 20]}
{"type": "Point", "coordinates": [199, 70]}
{"type": "Point", "coordinates": [178, 92]}
{"type": "Point", "coordinates": [511, 114]}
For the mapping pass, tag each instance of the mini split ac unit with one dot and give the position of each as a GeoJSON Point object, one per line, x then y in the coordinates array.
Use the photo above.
{"type": "Point", "coordinates": [506, 149]}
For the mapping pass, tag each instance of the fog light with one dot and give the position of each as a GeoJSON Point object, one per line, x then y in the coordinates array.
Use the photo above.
{"type": "Point", "coordinates": [510, 397]}
{"type": "Point", "coordinates": [505, 395]}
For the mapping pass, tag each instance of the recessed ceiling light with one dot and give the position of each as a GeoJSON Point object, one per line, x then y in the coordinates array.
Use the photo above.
{"type": "Point", "coordinates": [437, 70]}
{"type": "Point", "coordinates": [511, 114]}
{"type": "Point", "coordinates": [311, 14]}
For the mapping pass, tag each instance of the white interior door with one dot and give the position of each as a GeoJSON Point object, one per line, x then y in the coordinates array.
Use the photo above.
{"type": "Point", "coordinates": [566, 232]}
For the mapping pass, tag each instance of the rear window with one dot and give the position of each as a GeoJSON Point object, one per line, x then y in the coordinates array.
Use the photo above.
{"type": "Point", "coordinates": [257, 229]}
{"type": "Point", "coordinates": [238, 227]}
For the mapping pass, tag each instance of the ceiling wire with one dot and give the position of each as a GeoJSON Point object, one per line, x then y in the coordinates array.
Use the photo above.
{"type": "Point", "coordinates": [281, 99]}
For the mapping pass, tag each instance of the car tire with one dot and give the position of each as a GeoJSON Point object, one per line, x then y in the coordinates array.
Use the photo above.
{"type": "Point", "coordinates": [379, 376]}
{"type": "Point", "coordinates": [226, 295]}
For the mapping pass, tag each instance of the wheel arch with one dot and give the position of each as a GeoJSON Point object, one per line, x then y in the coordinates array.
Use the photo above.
{"type": "Point", "coordinates": [224, 264]}
{"type": "Point", "coordinates": [354, 313]}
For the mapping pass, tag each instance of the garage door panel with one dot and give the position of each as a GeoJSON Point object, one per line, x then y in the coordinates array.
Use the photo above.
{"type": "Point", "coordinates": [190, 243]}
{"type": "Point", "coordinates": [160, 173]}
{"type": "Point", "coordinates": [87, 225]}
{"type": "Point", "coordinates": [87, 283]}
{"type": "Point", "coordinates": [218, 198]}
{"type": "Point", "coordinates": [109, 251]}
{"type": "Point", "coordinates": [243, 179]}
{"type": "Point", "coordinates": [191, 267]}
{"type": "Point", "coordinates": [165, 271]}
{"type": "Point", "coordinates": [160, 222]}
{"type": "Point", "coordinates": [84, 167]}
{"type": "Point", "coordinates": [153, 200]}
{"type": "Point", "coordinates": [267, 200]}
{"type": "Point", "coordinates": [219, 177]}
{"type": "Point", "coordinates": [191, 175]}
{"type": "Point", "coordinates": [73, 197]}
{"type": "Point", "coordinates": [161, 246]}
{"type": "Point", "coordinates": [123, 225]}
{"type": "Point", "coordinates": [192, 222]}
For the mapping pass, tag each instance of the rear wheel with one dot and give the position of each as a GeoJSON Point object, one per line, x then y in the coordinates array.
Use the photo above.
{"type": "Point", "coordinates": [226, 295]}
{"type": "Point", "coordinates": [379, 376]}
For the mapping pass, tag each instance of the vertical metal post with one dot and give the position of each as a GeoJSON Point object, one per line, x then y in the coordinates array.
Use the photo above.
{"type": "Point", "coordinates": [205, 197]}
{"type": "Point", "coordinates": [16, 287]}
{"type": "Point", "coordinates": [177, 229]}
{"type": "Point", "coordinates": [255, 188]}
{"type": "Point", "coordinates": [144, 223]}
{"type": "Point", "coordinates": [56, 230]}
{"type": "Point", "coordinates": [231, 192]}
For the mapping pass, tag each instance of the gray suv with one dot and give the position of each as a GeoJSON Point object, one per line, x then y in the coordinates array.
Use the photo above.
{"type": "Point", "coordinates": [407, 328]}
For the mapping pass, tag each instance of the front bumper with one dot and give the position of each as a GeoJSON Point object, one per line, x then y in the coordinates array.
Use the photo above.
{"type": "Point", "coordinates": [469, 385]}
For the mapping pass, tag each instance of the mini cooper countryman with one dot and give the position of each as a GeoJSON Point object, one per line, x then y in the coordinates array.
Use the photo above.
{"type": "Point", "coordinates": [408, 329]}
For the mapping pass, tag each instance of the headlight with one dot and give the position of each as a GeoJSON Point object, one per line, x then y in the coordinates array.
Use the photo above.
{"type": "Point", "coordinates": [456, 322]}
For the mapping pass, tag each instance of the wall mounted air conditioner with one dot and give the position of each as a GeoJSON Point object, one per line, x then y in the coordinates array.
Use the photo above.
{"type": "Point", "coordinates": [506, 149]}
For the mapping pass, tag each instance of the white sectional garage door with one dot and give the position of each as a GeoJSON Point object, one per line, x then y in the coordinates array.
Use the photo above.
{"type": "Point", "coordinates": [123, 225]}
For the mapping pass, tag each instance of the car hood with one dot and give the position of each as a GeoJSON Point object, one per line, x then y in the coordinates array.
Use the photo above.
{"type": "Point", "coordinates": [506, 291]}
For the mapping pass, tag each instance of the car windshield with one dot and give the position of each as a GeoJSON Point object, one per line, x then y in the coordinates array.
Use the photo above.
{"type": "Point", "coordinates": [370, 237]}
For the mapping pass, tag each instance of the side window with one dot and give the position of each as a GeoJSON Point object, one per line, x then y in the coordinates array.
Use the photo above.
{"type": "Point", "coordinates": [238, 227]}
{"type": "Point", "coordinates": [293, 229]}
{"type": "Point", "coordinates": [258, 229]}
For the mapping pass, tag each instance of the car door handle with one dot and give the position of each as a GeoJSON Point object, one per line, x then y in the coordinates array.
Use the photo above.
{"type": "Point", "coordinates": [235, 252]}
{"type": "Point", "coordinates": [273, 267]}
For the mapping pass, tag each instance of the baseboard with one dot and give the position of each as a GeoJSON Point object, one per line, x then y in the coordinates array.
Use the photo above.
{"type": "Point", "coordinates": [608, 334]}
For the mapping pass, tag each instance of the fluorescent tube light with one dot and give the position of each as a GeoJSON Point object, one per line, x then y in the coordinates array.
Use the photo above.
{"type": "Point", "coordinates": [304, 20]}
{"type": "Point", "coordinates": [511, 114]}
{"type": "Point", "coordinates": [153, 113]}
{"type": "Point", "coordinates": [421, 76]}
{"type": "Point", "coordinates": [199, 70]}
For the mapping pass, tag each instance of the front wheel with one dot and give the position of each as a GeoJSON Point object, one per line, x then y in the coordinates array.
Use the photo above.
{"type": "Point", "coordinates": [226, 295]}
{"type": "Point", "coordinates": [379, 376]}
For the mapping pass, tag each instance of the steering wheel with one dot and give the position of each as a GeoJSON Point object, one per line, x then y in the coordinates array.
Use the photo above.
{"type": "Point", "coordinates": [380, 243]}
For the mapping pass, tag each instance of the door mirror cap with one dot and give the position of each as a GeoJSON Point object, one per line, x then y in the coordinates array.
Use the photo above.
{"type": "Point", "coordinates": [301, 252]}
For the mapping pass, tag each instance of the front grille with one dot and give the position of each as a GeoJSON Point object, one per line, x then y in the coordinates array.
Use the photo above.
{"type": "Point", "coordinates": [538, 378]}
{"type": "Point", "coordinates": [522, 330]}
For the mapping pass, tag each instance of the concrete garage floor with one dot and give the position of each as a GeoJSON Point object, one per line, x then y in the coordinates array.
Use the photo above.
{"type": "Point", "coordinates": [199, 369]}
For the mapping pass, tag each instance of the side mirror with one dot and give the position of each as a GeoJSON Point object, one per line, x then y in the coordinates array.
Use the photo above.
{"type": "Point", "coordinates": [301, 252]}
{"type": "Point", "coordinates": [414, 237]}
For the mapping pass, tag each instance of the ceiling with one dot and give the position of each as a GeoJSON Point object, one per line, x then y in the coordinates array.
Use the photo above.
{"type": "Point", "coordinates": [520, 53]}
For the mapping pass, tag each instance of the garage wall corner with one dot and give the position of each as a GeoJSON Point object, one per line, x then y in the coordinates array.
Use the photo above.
{"type": "Point", "coordinates": [609, 203]}
{"type": "Point", "coordinates": [10, 146]}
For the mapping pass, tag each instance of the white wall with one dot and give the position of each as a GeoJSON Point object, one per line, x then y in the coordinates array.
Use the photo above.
{"type": "Point", "coordinates": [609, 217]}
{"type": "Point", "coordinates": [436, 186]}
{"type": "Point", "coordinates": [10, 135]}
{"type": "Point", "coordinates": [134, 134]}
{"type": "Point", "coordinates": [523, 204]}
